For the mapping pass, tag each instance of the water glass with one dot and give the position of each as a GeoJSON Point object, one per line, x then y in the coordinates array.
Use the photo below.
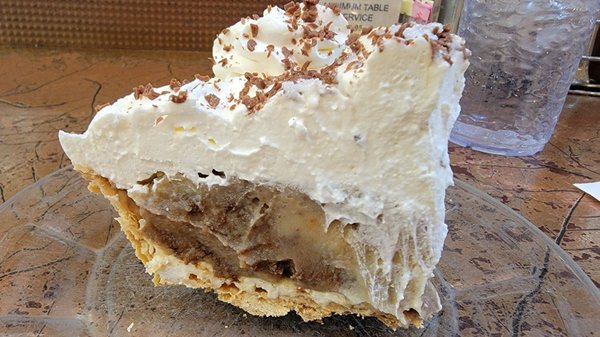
{"type": "Point", "coordinates": [525, 55]}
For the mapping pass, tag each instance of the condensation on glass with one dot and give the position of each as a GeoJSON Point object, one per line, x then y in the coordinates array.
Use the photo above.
{"type": "Point", "coordinates": [525, 55]}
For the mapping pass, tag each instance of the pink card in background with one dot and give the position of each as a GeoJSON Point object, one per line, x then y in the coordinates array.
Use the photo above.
{"type": "Point", "coordinates": [422, 11]}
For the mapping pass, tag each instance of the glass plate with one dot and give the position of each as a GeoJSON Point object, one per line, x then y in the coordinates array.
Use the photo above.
{"type": "Point", "coordinates": [66, 270]}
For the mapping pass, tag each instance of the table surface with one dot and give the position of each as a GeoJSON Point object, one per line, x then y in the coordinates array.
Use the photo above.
{"type": "Point", "coordinates": [43, 91]}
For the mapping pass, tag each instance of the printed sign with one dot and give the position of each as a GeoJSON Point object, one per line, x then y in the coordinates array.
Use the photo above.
{"type": "Point", "coordinates": [368, 13]}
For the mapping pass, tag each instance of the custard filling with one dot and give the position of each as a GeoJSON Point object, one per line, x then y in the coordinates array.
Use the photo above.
{"type": "Point", "coordinates": [248, 229]}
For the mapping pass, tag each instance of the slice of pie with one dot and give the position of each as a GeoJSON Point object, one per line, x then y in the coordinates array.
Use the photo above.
{"type": "Point", "coordinates": [309, 174]}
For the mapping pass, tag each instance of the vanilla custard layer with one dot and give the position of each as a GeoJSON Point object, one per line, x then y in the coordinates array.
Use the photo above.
{"type": "Point", "coordinates": [245, 229]}
{"type": "Point", "coordinates": [247, 237]}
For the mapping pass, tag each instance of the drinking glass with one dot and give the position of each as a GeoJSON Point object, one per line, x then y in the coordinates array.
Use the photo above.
{"type": "Point", "coordinates": [525, 55]}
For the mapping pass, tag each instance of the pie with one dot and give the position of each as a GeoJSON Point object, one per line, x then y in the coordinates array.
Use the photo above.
{"type": "Point", "coordinates": [308, 175]}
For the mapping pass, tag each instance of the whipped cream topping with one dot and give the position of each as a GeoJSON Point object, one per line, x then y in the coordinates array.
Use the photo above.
{"type": "Point", "coordinates": [359, 121]}
{"type": "Point", "coordinates": [260, 45]}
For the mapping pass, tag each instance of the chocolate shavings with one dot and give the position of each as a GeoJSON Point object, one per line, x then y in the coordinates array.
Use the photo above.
{"type": "Point", "coordinates": [145, 91]}
{"type": "Point", "coordinates": [174, 84]}
{"type": "Point", "coordinates": [212, 100]}
{"type": "Point", "coordinates": [310, 12]}
{"type": "Point", "coordinates": [251, 45]}
{"type": "Point", "coordinates": [100, 107]}
{"type": "Point", "coordinates": [179, 98]}
{"type": "Point", "coordinates": [203, 78]}
{"type": "Point", "coordinates": [254, 29]}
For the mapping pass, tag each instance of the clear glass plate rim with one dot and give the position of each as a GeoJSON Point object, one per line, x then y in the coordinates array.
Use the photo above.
{"type": "Point", "coordinates": [568, 260]}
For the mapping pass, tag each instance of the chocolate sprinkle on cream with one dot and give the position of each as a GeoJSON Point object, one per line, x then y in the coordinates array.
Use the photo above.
{"type": "Point", "coordinates": [138, 91]}
{"type": "Point", "coordinates": [351, 65]}
{"type": "Point", "coordinates": [212, 100]}
{"type": "Point", "coordinates": [270, 49]}
{"type": "Point", "coordinates": [326, 33]}
{"type": "Point", "coordinates": [305, 66]}
{"type": "Point", "coordinates": [100, 107]}
{"type": "Point", "coordinates": [286, 52]}
{"type": "Point", "coordinates": [310, 12]}
{"type": "Point", "coordinates": [400, 32]}
{"type": "Point", "coordinates": [203, 78]}
{"type": "Point", "coordinates": [308, 32]}
{"type": "Point", "coordinates": [306, 47]}
{"type": "Point", "coordinates": [255, 103]}
{"type": "Point", "coordinates": [174, 84]}
{"type": "Point", "coordinates": [353, 37]}
{"type": "Point", "coordinates": [254, 29]}
{"type": "Point", "coordinates": [334, 7]}
{"type": "Point", "coordinates": [145, 91]}
{"type": "Point", "coordinates": [179, 98]}
{"type": "Point", "coordinates": [441, 45]}
{"type": "Point", "coordinates": [447, 58]}
{"type": "Point", "coordinates": [292, 9]}
{"type": "Point", "coordinates": [251, 45]}
{"type": "Point", "coordinates": [160, 119]}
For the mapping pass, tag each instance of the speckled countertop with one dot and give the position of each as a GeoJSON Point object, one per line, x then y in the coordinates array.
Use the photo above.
{"type": "Point", "coordinates": [44, 91]}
